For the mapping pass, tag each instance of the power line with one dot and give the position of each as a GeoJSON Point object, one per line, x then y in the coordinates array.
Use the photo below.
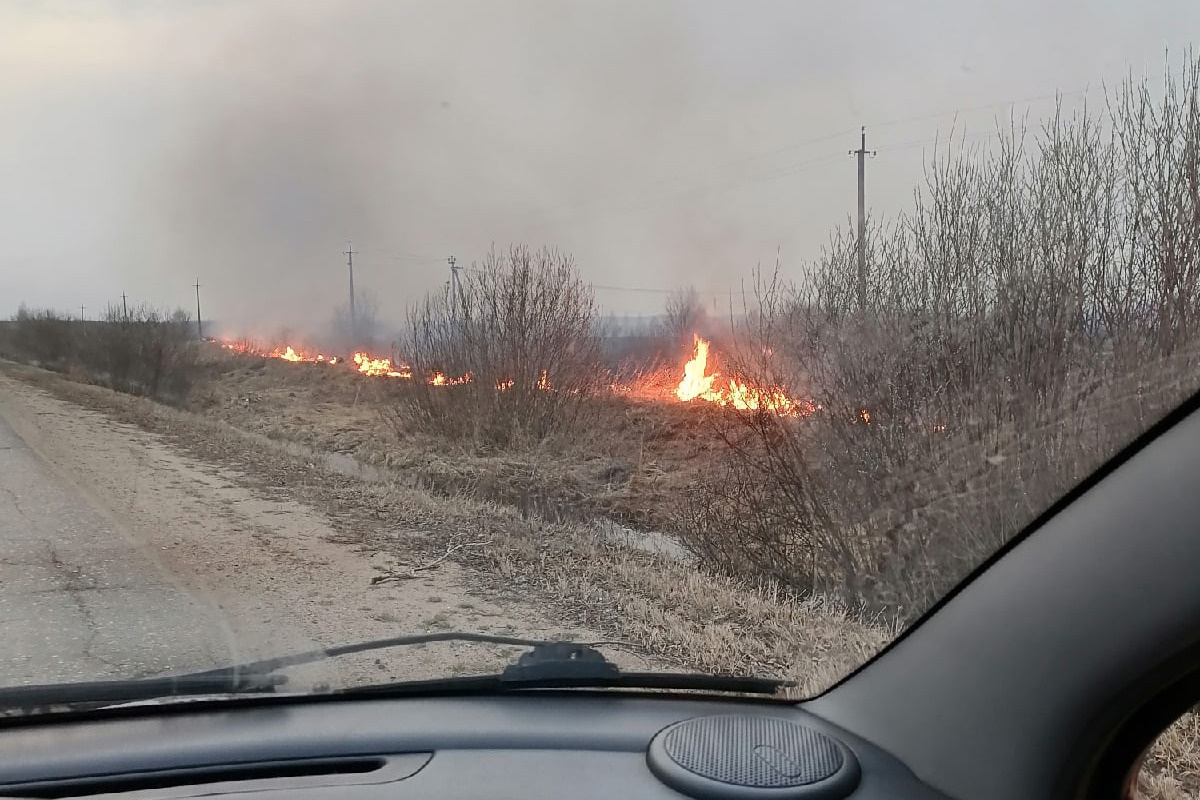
{"type": "Point", "coordinates": [924, 142]}
{"type": "Point", "coordinates": [649, 290]}
{"type": "Point", "coordinates": [391, 255]}
{"type": "Point", "coordinates": [610, 287]}
{"type": "Point", "coordinates": [804, 165]}
{"type": "Point", "coordinates": [972, 109]}
{"type": "Point", "coordinates": [651, 201]}
{"type": "Point", "coordinates": [589, 209]}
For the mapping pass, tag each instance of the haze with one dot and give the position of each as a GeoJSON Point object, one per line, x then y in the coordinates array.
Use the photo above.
{"type": "Point", "coordinates": [144, 145]}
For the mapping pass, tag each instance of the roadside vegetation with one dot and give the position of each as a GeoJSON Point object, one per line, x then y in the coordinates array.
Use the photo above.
{"type": "Point", "coordinates": [519, 338]}
{"type": "Point", "coordinates": [142, 351]}
{"type": "Point", "coordinates": [1035, 309]}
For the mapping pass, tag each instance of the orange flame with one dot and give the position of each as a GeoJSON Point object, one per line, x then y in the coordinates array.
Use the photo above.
{"type": "Point", "coordinates": [440, 379]}
{"type": "Point", "coordinates": [369, 365]}
{"type": "Point", "coordinates": [284, 353]}
{"type": "Point", "coordinates": [696, 385]}
{"type": "Point", "coordinates": [289, 355]}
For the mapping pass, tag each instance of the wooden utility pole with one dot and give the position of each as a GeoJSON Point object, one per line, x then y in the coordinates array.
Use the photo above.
{"type": "Point", "coordinates": [453, 262]}
{"type": "Point", "coordinates": [862, 152]}
{"type": "Point", "coordinates": [349, 253]}
{"type": "Point", "coordinates": [199, 324]}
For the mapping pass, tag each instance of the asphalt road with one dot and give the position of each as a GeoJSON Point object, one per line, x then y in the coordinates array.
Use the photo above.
{"type": "Point", "coordinates": [79, 599]}
{"type": "Point", "coordinates": [127, 551]}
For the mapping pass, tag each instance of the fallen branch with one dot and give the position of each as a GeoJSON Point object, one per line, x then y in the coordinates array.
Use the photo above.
{"type": "Point", "coordinates": [413, 571]}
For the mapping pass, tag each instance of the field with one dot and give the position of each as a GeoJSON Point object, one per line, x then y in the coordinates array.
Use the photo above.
{"type": "Point", "coordinates": [872, 436]}
{"type": "Point", "coordinates": [324, 435]}
{"type": "Point", "coordinates": [630, 471]}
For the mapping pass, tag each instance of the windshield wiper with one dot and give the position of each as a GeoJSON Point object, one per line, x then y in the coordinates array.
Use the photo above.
{"type": "Point", "coordinates": [548, 664]}
{"type": "Point", "coordinates": [567, 665]}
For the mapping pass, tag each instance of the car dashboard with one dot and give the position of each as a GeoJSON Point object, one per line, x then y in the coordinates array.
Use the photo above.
{"type": "Point", "coordinates": [529, 745]}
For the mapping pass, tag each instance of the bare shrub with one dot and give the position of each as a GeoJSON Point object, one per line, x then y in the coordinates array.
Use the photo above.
{"type": "Point", "coordinates": [42, 336]}
{"type": "Point", "coordinates": [517, 349]}
{"type": "Point", "coordinates": [1034, 311]}
{"type": "Point", "coordinates": [684, 315]}
{"type": "Point", "coordinates": [145, 351]}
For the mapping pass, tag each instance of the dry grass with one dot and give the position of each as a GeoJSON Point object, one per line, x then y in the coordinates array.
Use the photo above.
{"type": "Point", "coordinates": [1031, 313]}
{"type": "Point", "coordinates": [631, 468]}
{"type": "Point", "coordinates": [143, 350]}
{"type": "Point", "coordinates": [1171, 770]}
{"type": "Point", "coordinates": [521, 327]}
{"type": "Point", "coordinates": [664, 608]}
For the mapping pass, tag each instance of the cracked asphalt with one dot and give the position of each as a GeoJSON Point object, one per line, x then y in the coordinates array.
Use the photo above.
{"type": "Point", "coordinates": [128, 553]}
{"type": "Point", "coordinates": [79, 600]}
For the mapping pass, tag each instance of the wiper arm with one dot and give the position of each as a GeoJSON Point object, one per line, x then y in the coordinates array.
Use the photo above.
{"type": "Point", "coordinates": [548, 664]}
{"type": "Point", "coordinates": [567, 665]}
{"type": "Point", "coordinates": [55, 694]}
{"type": "Point", "coordinates": [675, 681]}
{"type": "Point", "coordinates": [248, 678]}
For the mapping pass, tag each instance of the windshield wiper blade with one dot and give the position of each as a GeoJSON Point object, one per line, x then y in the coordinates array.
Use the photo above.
{"type": "Point", "coordinates": [673, 681]}
{"type": "Point", "coordinates": [548, 664]}
{"type": "Point", "coordinates": [567, 665]}
{"type": "Point", "coordinates": [115, 691]}
{"type": "Point", "coordinates": [247, 678]}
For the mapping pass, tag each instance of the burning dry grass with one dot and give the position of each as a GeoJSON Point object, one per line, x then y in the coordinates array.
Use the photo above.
{"type": "Point", "coordinates": [628, 467]}
{"type": "Point", "coordinates": [666, 608]}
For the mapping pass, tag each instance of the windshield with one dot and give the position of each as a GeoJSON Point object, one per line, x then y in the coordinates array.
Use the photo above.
{"type": "Point", "coordinates": [732, 335]}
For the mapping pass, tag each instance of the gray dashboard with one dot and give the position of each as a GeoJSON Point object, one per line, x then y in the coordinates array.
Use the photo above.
{"type": "Point", "coordinates": [529, 745]}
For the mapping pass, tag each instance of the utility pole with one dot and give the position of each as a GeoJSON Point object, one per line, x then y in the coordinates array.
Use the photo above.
{"type": "Point", "coordinates": [199, 324]}
{"type": "Point", "coordinates": [81, 316]}
{"type": "Point", "coordinates": [349, 253]}
{"type": "Point", "coordinates": [862, 152]}
{"type": "Point", "coordinates": [124, 308]}
{"type": "Point", "coordinates": [453, 262]}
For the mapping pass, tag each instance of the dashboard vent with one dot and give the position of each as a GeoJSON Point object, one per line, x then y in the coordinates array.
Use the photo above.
{"type": "Point", "coordinates": [742, 756]}
{"type": "Point", "coordinates": [269, 771]}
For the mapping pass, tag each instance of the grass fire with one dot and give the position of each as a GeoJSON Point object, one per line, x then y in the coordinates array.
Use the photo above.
{"type": "Point", "coordinates": [855, 449]}
{"type": "Point", "coordinates": [697, 382]}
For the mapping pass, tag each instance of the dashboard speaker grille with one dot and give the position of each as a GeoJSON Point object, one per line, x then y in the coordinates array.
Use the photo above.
{"type": "Point", "coordinates": [751, 756]}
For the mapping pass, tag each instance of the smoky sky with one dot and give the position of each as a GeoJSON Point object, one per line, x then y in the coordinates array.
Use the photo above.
{"type": "Point", "coordinates": [148, 145]}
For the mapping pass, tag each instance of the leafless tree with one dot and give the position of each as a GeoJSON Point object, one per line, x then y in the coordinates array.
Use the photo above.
{"type": "Point", "coordinates": [1036, 308]}
{"type": "Point", "coordinates": [517, 346]}
{"type": "Point", "coordinates": [684, 315]}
